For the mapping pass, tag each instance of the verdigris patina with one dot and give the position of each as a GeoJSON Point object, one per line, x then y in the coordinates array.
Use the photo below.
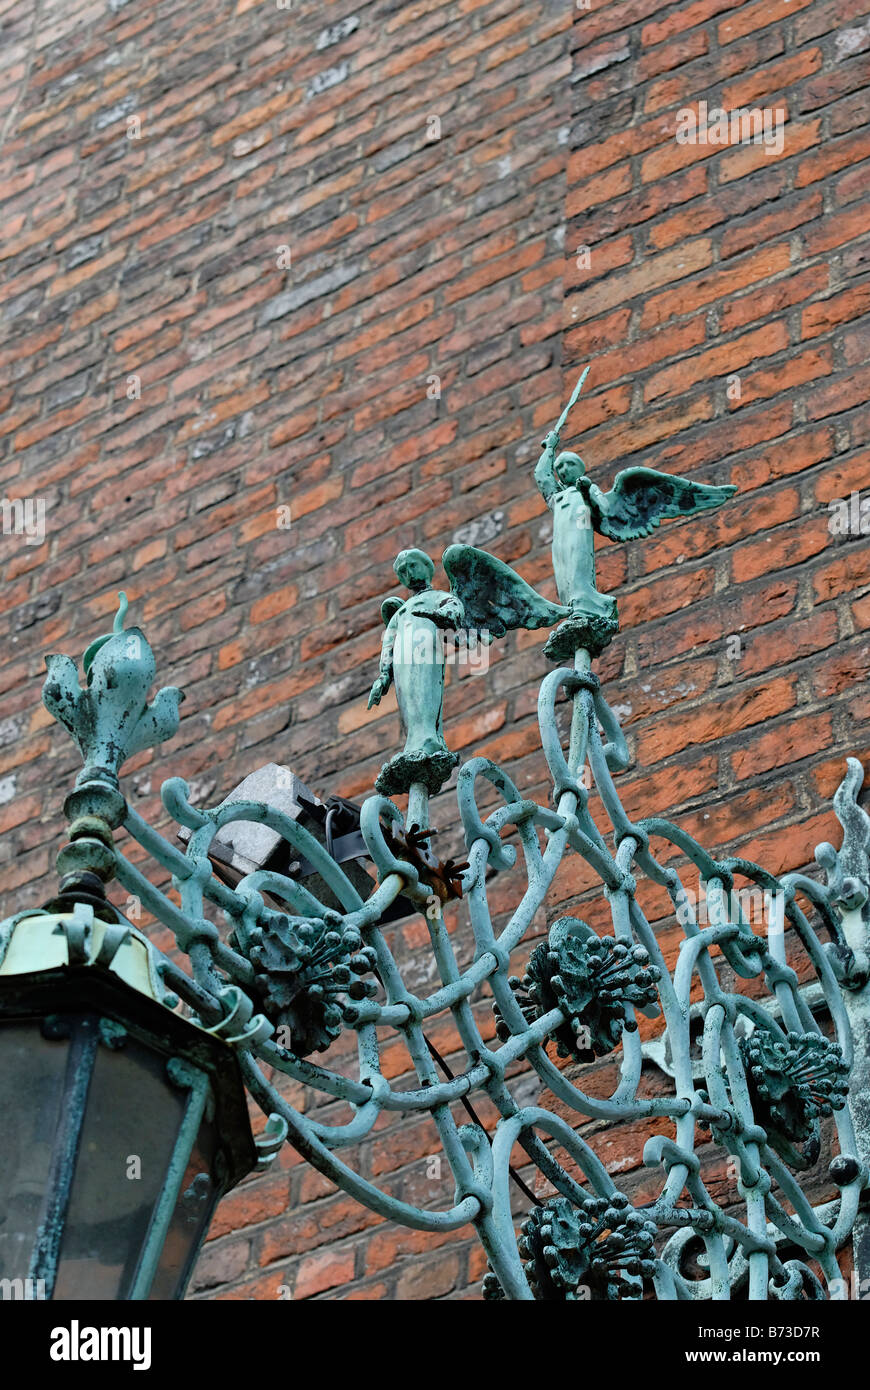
{"type": "Point", "coordinates": [111, 719]}
{"type": "Point", "coordinates": [486, 598]}
{"type": "Point", "coordinates": [764, 1013]}
{"type": "Point", "coordinates": [639, 499]}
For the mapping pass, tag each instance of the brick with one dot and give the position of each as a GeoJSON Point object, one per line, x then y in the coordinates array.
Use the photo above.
{"type": "Point", "coordinates": [842, 575]}
{"type": "Point", "coordinates": [685, 18]}
{"type": "Point", "coordinates": [741, 814]}
{"type": "Point", "coordinates": [719, 528]}
{"type": "Point", "coordinates": [664, 598]}
{"type": "Point", "coordinates": [298, 1232]}
{"type": "Point", "coordinates": [753, 17]}
{"type": "Point", "coordinates": [325, 1270]}
{"type": "Point", "coordinates": [772, 299]}
{"type": "Point", "coordinates": [219, 1263]}
{"type": "Point", "coordinates": [835, 231]}
{"type": "Point", "coordinates": [674, 785]}
{"type": "Point", "coordinates": [759, 266]}
{"type": "Point", "coordinates": [839, 395]}
{"type": "Point", "coordinates": [765, 82]}
{"type": "Point", "coordinates": [804, 637]}
{"type": "Point", "coordinates": [430, 1278]}
{"type": "Point", "coordinates": [671, 55]}
{"type": "Point", "coordinates": [673, 156]}
{"type": "Point", "coordinates": [705, 213]}
{"type": "Point", "coordinates": [755, 705]}
{"type": "Point", "coordinates": [632, 140]}
{"type": "Point", "coordinates": [837, 154]}
{"type": "Point", "coordinates": [840, 480]}
{"type": "Point", "coordinates": [592, 24]}
{"type": "Point", "coordinates": [826, 314]}
{"type": "Point", "coordinates": [797, 137]}
{"type": "Point", "coordinates": [711, 621]}
{"type": "Point", "coordinates": [250, 1204]}
{"type": "Point", "coordinates": [722, 64]}
{"type": "Point", "coordinates": [850, 113]}
{"type": "Point", "coordinates": [856, 344]}
{"type": "Point", "coordinates": [800, 368]}
{"type": "Point", "coordinates": [755, 231]}
{"type": "Point", "coordinates": [656, 270]}
{"type": "Point", "coordinates": [843, 669]}
{"type": "Point", "coordinates": [827, 87]}
{"type": "Point", "coordinates": [388, 1246]}
{"type": "Point", "coordinates": [603, 257]}
{"type": "Point", "coordinates": [718, 361]}
{"type": "Point", "coordinates": [787, 743]}
{"type": "Point", "coordinates": [821, 18]}
{"type": "Point", "coordinates": [632, 358]}
{"type": "Point", "coordinates": [641, 206]}
{"type": "Point", "coordinates": [776, 552]}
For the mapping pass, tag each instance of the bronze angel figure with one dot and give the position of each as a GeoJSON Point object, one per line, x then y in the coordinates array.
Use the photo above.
{"type": "Point", "coordinates": [638, 500]}
{"type": "Point", "coordinates": [486, 599]}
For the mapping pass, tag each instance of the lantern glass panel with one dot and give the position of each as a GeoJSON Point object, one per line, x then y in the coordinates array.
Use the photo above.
{"type": "Point", "coordinates": [131, 1123]}
{"type": "Point", "coordinates": [32, 1082]}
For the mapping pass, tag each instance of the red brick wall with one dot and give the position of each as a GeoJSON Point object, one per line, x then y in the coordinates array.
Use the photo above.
{"type": "Point", "coordinates": [153, 160]}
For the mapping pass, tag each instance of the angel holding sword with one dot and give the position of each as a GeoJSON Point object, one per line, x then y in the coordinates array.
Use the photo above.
{"type": "Point", "coordinates": [638, 500]}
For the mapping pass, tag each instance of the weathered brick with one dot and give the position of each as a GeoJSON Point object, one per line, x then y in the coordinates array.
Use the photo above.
{"type": "Point", "coordinates": [722, 361]}
{"type": "Point", "coordinates": [685, 18]}
{"type": "Point", "coordinates": [325, 1270]}
{"type": "Point", "coordinates": [751, 706]}
{"type": "Point", "coordinates": [658, 270]}
{"type": "Point", "coordinates": [769, 381]}
{"type": "Point", "coordinates": [753, 17]}
{"type": "Point", "coordinates": [797, 137]}
{"type": "Point", "coordinates": [718, 285]}
{"type": "Point", "coordinates": [788, 742]}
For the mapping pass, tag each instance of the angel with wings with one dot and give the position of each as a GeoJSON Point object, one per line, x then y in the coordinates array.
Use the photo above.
{"type": "Point", "coordinates": [639, 499]}
{"type": "Point", "coordinates": [486, 598]}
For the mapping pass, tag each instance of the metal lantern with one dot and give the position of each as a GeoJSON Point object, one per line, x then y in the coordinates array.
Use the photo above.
{"type": "Point", "coordinates": [123, 1123]}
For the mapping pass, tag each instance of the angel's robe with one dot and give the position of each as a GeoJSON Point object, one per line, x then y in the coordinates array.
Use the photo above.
{"type": "Point", "coordinates": [573, 543]}
{"type": "Point", "coordinates": [414, 646]}
{"type": "Point", "coordinates": [574, 555]}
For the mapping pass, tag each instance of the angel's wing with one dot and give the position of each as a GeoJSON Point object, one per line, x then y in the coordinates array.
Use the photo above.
{"type": "Point", "coordinates": [389, 608]}
{"type": "Point", "coordinates": [641, 497]}
{"type": "Point", "coordinates": [493, 595]}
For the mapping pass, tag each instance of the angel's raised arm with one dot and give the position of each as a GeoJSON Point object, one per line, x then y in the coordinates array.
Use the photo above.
{"type": "Point", "coordinates": [545, 473]}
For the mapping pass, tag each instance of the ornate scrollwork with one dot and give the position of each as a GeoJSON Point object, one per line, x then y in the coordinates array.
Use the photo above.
{"type": "Point", "coordinates": [311, 969]}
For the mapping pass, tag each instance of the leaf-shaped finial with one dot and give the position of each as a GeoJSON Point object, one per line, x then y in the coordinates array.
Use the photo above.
{"type": "Point", "coordinates": [110, 719]}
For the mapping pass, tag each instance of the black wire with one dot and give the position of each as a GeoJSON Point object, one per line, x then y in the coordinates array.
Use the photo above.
{"type": "Point", "coordinates": [468, 1107]}
{"type": "Point", "coordinates": [433, 1052]}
